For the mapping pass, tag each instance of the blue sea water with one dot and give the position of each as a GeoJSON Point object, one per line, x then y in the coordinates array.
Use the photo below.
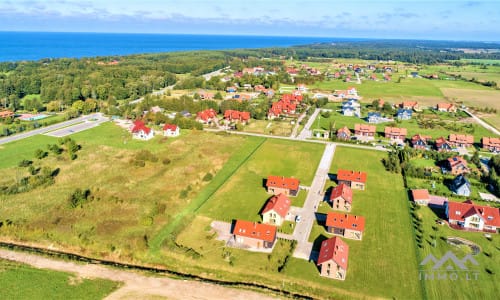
{"type": "Point", "coordinates": [15, 46]}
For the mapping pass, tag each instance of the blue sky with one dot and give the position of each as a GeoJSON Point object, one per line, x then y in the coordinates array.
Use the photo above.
{"type": "Point", "coordinates": [409, 19]}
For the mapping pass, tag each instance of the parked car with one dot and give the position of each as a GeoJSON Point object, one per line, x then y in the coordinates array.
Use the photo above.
{"type": "Point", "coordinates": [297, 218]}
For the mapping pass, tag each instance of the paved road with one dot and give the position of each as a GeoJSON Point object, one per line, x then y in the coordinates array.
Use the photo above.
{"type": "Point", "coordinates": [294, 139]}
{"type": "Point", "coordinates": [43, 130]}
{"type": "Point", "coordinates": [482, 123]}
{"type": "Point", "coordinates": [314, 197]}
{"type": "Point", "coordinates": [136, 285]}
{"type": "Point", "coordinates": [306, 132]}
{"type": "Point", "coordinates": [296, 127]}
{"type": "Point", "coordinates": [99, 118]}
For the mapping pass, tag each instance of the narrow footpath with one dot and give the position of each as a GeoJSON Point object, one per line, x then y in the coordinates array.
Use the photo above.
{"type": "Point", "coordinates": [136, 285]}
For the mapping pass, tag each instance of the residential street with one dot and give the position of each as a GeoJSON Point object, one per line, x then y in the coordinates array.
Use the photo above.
{"type": "Point", "coordinates": [306, 132]}
{"type": "Point", "coordinates": [43, 130]}
{"type": "Point", "coordinates": [314, 197]}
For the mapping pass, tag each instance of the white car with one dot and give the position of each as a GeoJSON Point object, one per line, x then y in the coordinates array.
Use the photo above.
{"type": "Point", "coordinates": [297, 218]}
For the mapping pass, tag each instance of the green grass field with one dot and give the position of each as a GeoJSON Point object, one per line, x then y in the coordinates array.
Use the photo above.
{"type": "Point", "coordinates": [337, 120]}
{"type": "Point", "coordinates": [20, 281]}
{"type": "Point", "coordinates": [387, 247]}
{"type": "Point", "coordinates": [244, 194]}
{"type": "Point", "coordinates": [486, 286]}
{"type": "Point", "coordinates": [130, 203]}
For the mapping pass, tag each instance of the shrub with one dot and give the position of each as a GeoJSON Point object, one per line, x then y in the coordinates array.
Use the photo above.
{"type": "Point", "coordinates": [25, 163]}
{"type": "Point", "coordinates": [40, 154]}
{"type": "Point", "coordinates": [208, 177]}
{"type": "Point", "coordinates": [166, 161]}
{"type": "Point", "coordinates": [79, 197]}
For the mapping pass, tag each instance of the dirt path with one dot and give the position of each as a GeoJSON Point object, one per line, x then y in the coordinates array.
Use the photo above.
{"type": "Point", "coordinates": [136, 286]}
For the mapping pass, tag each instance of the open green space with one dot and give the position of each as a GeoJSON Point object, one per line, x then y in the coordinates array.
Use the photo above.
{"type": "Point", "coordinates": [485, 286]}
{"type": "Point", "coordinates": [19, 281]}
{"type": "Point", "coordinates": [387, 236]}
{"type": "Point", "coordinates": [337, 120]}
{"type": "Point", "coordinates": [130, 202]}
{"type": "Point", "coordinates": [244, 194]}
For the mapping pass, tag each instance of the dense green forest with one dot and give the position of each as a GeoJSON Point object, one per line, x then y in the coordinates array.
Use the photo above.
{"type": "Point", "coordinates": [129, 77]}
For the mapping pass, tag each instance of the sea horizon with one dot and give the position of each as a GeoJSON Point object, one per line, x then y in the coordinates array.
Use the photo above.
{"type": "Point", "coordinates": [32, 46]}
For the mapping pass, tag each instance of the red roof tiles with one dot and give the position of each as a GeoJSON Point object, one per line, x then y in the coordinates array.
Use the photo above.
{"type": "Point", "coordinates": [345, 175]}
{"type": "Point", "coordinates": [334, 249]}
{"type": "Point", "coordinates": [283, 182]}
{"type": "Point", "coordinates": [280, 204]}
{"type": "Point", "coordinates": [459, 211]}
{"type": "Point", "coordinates": [461, 138]}
{"type": "Point", "coordinates": [343, 191]}
{"type": "Point", "coordinates": [140, 126]}
{"type": "Point", "coordinates": [255, 230]}
{"type": "Point", "coordinates": [340, 220]}
{"type": "Point", "coordinates": [171, 127]}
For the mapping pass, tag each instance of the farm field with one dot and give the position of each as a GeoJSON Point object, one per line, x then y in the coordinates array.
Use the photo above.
{"type": "Point", "coordinates": [129, 203]}
{"type": "Point", "coordinates": [486, 285]}
{"type": "Point", "coordinates": [19, 281]}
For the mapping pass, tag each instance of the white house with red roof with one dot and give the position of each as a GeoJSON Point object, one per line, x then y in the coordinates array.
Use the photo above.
{"type": "Point", "coordinates": [468, 215]}
{"type": "Point", "coordinates": [254, 235]}
{"type": "Point", "coordinates": [333, 257]}
{"type": "Point", "coordinates": [171, 130]}
{"type": "Point", "coordinates": [141, 132]}
{"type": "Point", "coordinates": [341, 197]}
{"type": "Point", "coordinates": [282, 185]}
{"type": "Point", "coordinates": [348, 226]}
{"type": "Point", "coordinates": [353, 179]}
{"type": "Point", "coordinates": [276, 210]}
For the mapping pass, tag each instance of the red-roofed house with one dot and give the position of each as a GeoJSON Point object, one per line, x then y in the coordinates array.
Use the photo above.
{"type": "Point", "coordinates": [355, 180]}
{"type": "Point", "coordinates": [409, 105]}
{"type": "Point", "coordinates": [491, 143]}
{"type": "Point", "coordinates": [471, 216]}
{"type": "Point", "coordinates": [395, 133]}
{"type": "Point", "coordinates": [344, 133]}
{"type": "Point", "coordinates": [333, 257]}
{"type": "Point", "coordinates": [442, 145]}
{"type": "Point", "coordinates": [457, 165]}
{"type": "Point", "coordinates": [235, 115]}
{"type": "Point", "coordinates": [204, 95]}
{"type": "Point", "coordinates": [341, 197]}
{"type": "Point", "coordinates": [282, 185]}
{"type": "Point", "coordinates": [421, 196]}
{"type": "Point", "coordinates": [365, 130]}
{"type": "Point", "coordinates": [446, 107]}
{"type": "Point", "coordinates": [171, 130]}
{"type": "Point", "coordinates": [206, 116]}
{"type": "Point", "coordinates": [254, 235]}
{"type": "Point", "coordinates": [348, 226]}
{"type": "Point", "coordinates": [6, 114]}
{"type": "Point", "coordinates": [461, 140]}
{"type": "Point", "coordinates": [276, 210]}
{"type": "Point", "coordinates": [282, 107]}
{"type": "Point", "coordinates": [141, 132]}
{"type": "Point", "coordinates": [420, 141]}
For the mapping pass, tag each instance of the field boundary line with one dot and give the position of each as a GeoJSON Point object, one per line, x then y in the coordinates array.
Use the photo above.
{"type": "Point", "coordinates": [199, 201]}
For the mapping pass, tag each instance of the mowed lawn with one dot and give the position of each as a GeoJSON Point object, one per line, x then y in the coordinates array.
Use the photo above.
{"type": "Point", "coordinates": [244, 194]}
{"type": "Point", "coordinates": [384, 263]}
{"type": "Point", "coordinates": [129, 204]}
{"type": "Point", "coordinates": [19, 281]}
{"type": "Point", "coordinates": [486, 286]}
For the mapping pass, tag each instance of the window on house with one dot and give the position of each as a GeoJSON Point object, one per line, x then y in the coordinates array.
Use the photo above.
{"type": "Point", "coordinates": [457, 213]}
